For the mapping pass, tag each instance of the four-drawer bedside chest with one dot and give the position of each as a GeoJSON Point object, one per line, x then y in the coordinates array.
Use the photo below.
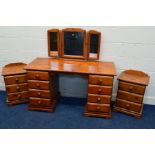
{"type": "Point", "coordinates": [131, 91]}
{"type": "Point", "coordinates": [15, 79]}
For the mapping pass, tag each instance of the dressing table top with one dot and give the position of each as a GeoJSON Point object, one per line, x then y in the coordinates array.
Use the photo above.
{"type": "Point", "coordinates": [72, 66]}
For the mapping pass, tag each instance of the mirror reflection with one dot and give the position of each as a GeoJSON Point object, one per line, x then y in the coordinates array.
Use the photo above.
{"type": "Point", "coordinates": [73, 43]}
{"type": "Point", "coordinates": [53, 41]}
{"type": "Point", "coordinates": [94, 43]}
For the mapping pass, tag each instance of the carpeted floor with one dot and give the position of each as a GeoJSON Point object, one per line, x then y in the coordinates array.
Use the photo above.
{"type": "Point", "coordinates": [69, 115]}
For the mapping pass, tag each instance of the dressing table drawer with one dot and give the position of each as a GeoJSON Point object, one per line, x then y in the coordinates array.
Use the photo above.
{"type": "Point", "coordinates": [101, 80]}
{"type": "Point", "coordinates": [39, 93]}
{"type": "Point", "coordinates": [18, 96]}
{"type": "Point", "coordinates": [103, 90]}
{"type": "Point", "coordinates": [101, 99]}
{"type": "Point", "coordinates": [36, 75]}
{"type": "Point", "coordinates": [132, 88]}
{"type": "Point", "coordinates": [17, 88]}
{"type": "Point", "coordinates": [129, 106]}
{"type": "Point", "coordinates": [9, 80]}
{"type": "Point", "coordinates": [43, 85]}
{"type": "Point", "coordinates": [129, 96]}
{"type": "Point", "coordinates": [98, 107]}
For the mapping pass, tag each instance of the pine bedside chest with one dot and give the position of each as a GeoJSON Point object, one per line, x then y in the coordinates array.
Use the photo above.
{"type": "Point", "coordinates": [131, 91]}
{"type": "Point", "coordinates": [15, 82]}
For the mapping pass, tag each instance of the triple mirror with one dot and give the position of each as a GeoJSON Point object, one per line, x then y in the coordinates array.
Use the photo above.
{"type": "Point", "coordinates": [74, 43]}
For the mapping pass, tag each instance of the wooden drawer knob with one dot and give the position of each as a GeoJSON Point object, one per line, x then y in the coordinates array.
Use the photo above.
{"type": "Point", "coordinates": [99, 99]}
{"type": "Point", "coordinates": [18, 88]}
{"type": "Point", "coordinates": [99, 90]}
{"type": "Point", "coordinates": [38, 85]}
{"type": "Point", "coordinates": [98, 108]}
{"type": "Point", "coordinates": [19, 96]}
{"type": "Point", "coordinates": [39, 102]}
{"type": "Point", "coordinates": [130, 88]}
{"type": "Point", "coordinates": [136, 98]}
{"type": "Point", "coordinates": [17, 80]}
{"type": "Point", "coordinates": [37, 75]}
{"type": "Point", "coordinates": [100, 81]}
{"type": "Point", "coordinates": [39, 94]}
{"type": "Point", "coordinates": [127, 106]}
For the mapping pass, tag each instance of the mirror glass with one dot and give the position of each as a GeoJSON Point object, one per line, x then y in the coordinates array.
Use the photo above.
{"type": "Point", "coordinates": [73, 43]}
{"type": "Point", "coordinates": [94, 46]}
{"type": "Point", "coordinates": [53, 41]}
{"type": "Point", "coordinates": [93, 43]}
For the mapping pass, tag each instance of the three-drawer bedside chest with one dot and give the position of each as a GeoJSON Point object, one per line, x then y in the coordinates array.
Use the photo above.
{"type": "Point", "coordinates": [131, 92]}
{"type": "Point", "coordinates": [15, 79]}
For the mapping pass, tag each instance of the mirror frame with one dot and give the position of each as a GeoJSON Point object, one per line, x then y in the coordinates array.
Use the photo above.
{"type": "Point", "coordinates": [54, 53]}
{"type": "Point", "coordinates": [88, 42]}
{"type": "Point", "coordinates": [84, 56]}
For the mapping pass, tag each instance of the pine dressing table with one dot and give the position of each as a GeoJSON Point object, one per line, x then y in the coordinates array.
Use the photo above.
{"type": "Point", "coordinates": [43, 88]}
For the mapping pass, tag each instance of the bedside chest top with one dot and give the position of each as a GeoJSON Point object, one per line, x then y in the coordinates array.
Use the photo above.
{"type": "Point", "coordinates": [72, 66]}
{"type": "Point", "coordinates": [134, 76]}
{"type": "Point", "coordinates": [14, 68]}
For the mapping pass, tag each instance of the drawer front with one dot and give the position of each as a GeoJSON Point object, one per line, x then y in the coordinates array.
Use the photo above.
{"type": "Point", "coordinates": [17, 88]}
{"type": "Point", "coordinates": [129, 105]}
{"type": "Point", "coordinates": [101, 80]}
{"type": "Point", "coordinates": [43, 85]}
{"type": "Point", "coordinates": [98, 99]}
{"type": "Point", "coordinates": [132, 88]}
{"type": "Point", "coordinates": [9, 80]}
{"type": "Point", "coordinates": [18, 96]}
{"type": "Point", "coordinates": [130, 96]}
{"type": "Point", "coordinates": [103, 90]}
{"type": "Point", "coordinates": [98, 107]}
{"type": "Point", "coordinates": [35, 75]}
{"type": "Point", "coordinates": [39, 93]}
{"type": "Point", "coordinates": [40, 102]}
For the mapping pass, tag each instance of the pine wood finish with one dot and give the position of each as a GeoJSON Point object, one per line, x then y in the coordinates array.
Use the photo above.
{"type": "Point", "coordinates": [15, 82]}
{"type": "Point", "coordinates": [44, 89]}
{"type": "Point", "coordinates": [131, 92]}
{"type": "Point", "coordinates": [99, 99]}
{"type": "Point", "coordinates": [103, 90]}
{"type": "Point", "coordinates": [42, 92]}
{"type": "Point", "coordinates": [57, 65]}
{"type": "Point", "coordinates": [58, 43]}
{"type": "Point", "coordinates": [84, 56]}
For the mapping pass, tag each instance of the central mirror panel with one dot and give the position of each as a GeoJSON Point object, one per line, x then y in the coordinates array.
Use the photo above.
{"type": "Point", "coordinates": [74, 43]}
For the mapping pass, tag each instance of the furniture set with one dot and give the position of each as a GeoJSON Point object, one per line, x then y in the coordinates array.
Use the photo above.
{"type": "Point", "coordinates": [74, 51]}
